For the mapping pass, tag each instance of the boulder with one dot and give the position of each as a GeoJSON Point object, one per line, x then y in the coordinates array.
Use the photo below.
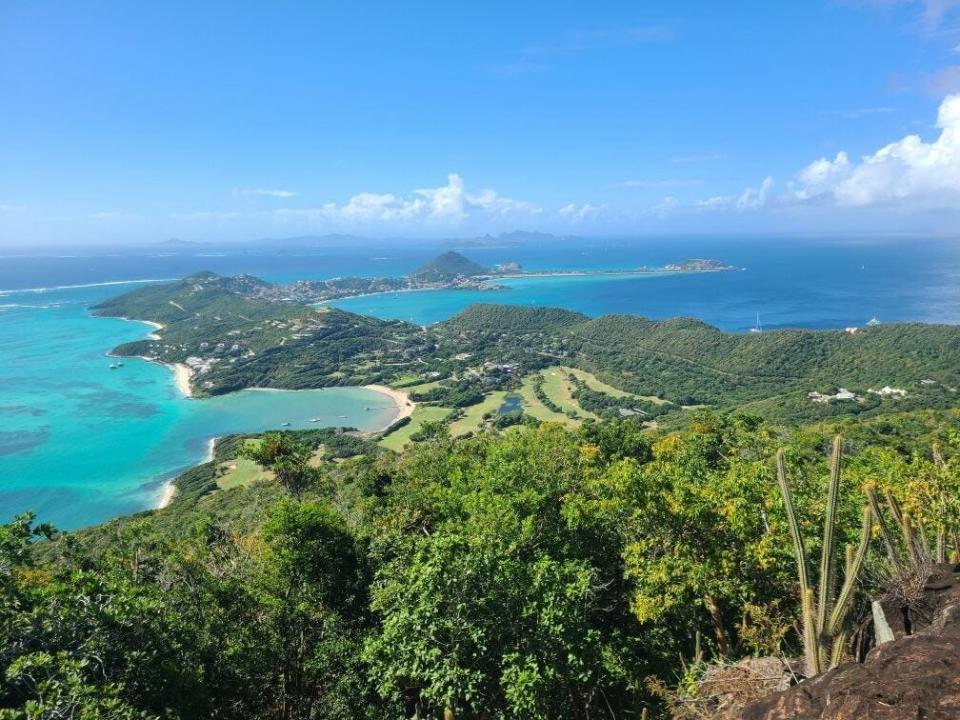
{"type": "Point", "coordinates": [916, 675]}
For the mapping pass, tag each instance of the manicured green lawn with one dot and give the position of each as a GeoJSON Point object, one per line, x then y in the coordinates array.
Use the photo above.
{"type": "Point", "coordinates": [241, 471]}
{"type": "Point", "coordinates": [559, 389]}
{"type": "Point", "coordinates": [532, 405]}
{"type": "Point", "coordinates": [473, 417]}
{"type": "Point", "coordinates": [595, 383]}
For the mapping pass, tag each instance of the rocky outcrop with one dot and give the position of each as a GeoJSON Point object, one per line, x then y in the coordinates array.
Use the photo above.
{"type": "Point", "coordinates": [916, 675]}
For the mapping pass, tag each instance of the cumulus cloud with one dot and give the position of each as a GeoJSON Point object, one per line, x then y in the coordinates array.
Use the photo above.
{"type": "Point", "coordinates": [749, 199]}
{"type": "Point", "coordinates": [244, 192]}
{"type": "Point", "coordinates": [908, 172]}
{"type": "Point", "coordinates": [450, 203]}
{"type": "Point", "coordinates": [575, 212]}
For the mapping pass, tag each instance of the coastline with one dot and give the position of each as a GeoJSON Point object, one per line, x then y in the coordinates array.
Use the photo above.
{"type": "Point", "coordinates": [405, 406]}
{"type": "Point", "coordinates": [181, 373]}
{"type": "Point", "coordinates": [169, 493]}
{"type": "Point", "coordinates": [533, 274]}
{"type": "Point", "coordinates": [181, 378]}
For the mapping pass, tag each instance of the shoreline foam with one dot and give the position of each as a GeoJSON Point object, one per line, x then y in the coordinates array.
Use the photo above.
{"type": "Point", "coordinates": [169, 493]}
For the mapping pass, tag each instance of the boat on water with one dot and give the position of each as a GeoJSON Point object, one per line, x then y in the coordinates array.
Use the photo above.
{"type": "Point", "coordinates": [758, 328]}
{"type": "Point", "coordinates": [286, 424]}
{"type": "Point", "coordinates": [113, 367]}
{"type": "Point", "coordinates": [873, 322]}
{"type": "Point", "coordinates": [314, 419]}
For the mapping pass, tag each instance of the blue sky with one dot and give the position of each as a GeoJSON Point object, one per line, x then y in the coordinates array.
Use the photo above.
{"type": "Point", "coordinates": [234, 121]}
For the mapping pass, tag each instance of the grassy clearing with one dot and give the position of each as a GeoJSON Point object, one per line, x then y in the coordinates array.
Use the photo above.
{"type": "Point", "coordinates": [422, 413]}
{"type": "Point", "coordinates": [421, 387]}
{"type": "Point", "coordinates": [533, 407]}
{"type": "Point", "coordinates": [594, 383]}
{"type": "Point", "coordinates": [241, 471]}
{"type": "Point", "coordinates": [473, 415]}
{"type": "Point", "coordinates": [559, 389]}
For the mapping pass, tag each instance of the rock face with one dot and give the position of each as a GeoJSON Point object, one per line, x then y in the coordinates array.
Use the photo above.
{"type": "Point", "coordinates": [915, 676]}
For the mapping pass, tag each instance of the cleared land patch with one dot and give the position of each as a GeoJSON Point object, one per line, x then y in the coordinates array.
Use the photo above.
{"type": "Point", "coordinates": [533, 407]}
{"type": "Point", "coordinates": [559, 389]}
{"type": "Point", "coordinates": [472, 419]}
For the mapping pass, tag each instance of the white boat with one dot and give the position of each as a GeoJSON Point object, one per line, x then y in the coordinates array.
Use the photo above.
{"type": "Point", "coordinates": [284, 424]}
{"type": "Point", "coordinates": [873, 322]}
{"type": "Point", "coordinates": [757, 328]}
{"type": "Point", "coordinates": [113, 367]}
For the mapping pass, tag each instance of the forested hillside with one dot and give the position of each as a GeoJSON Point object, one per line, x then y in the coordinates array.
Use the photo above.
{"type": "Point", "coordinates": [237, 340]}
{"type": "Point", "coordinates": [537, 573]}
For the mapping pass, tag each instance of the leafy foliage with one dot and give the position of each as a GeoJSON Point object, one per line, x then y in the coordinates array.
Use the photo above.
{"type": "Point", "coordinates": [539, 572]}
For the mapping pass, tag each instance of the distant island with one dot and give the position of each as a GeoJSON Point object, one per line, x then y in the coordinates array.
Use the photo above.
{"type": "Point", "coordinates": [448, 271]}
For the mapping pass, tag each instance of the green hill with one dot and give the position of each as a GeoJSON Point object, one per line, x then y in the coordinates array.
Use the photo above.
{"type": "Point", "coordinates": [241, 341]}
{"type": "Point", "coordinates": [235, 342]}
{"type": "Point", "coordinates": [487, 317]}
{"type": "Point", "coordinates": [449, 266]}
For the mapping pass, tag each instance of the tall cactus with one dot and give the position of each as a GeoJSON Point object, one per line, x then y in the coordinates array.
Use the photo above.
{"type": "Point", "coordinates": [824, 620]}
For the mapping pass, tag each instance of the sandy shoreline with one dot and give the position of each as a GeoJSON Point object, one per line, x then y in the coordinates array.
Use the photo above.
{"type": "Point", "coordinates": [405, 406]}
{"type": "Point", "coordinates": [169, 492]}
{"type": "Point", "coordinates": [181, 377]}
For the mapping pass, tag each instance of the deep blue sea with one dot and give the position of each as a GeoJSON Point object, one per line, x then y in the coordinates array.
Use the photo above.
{"type": "Point", "coordinates": [80, 443]}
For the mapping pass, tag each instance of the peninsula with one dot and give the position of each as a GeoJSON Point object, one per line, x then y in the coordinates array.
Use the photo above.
{"type": "Point", "coordinates": [448, 271]}
{"type": "Point", "coordinates": [236, 333]}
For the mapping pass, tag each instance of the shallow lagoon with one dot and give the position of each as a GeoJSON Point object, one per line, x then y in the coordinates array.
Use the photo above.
{"type": "Point", "coordinates": [80, 443]}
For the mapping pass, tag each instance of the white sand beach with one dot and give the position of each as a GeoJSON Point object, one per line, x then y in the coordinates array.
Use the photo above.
{"type": "Point", "coordinates": [405, 406]}
{"type": "Point", "coordinates": [169, 492]}
{"type": "Point", "coordinates": [181, 376]}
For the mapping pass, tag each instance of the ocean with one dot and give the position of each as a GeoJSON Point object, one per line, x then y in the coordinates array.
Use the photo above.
{"type": "Point", "coordinates": [80, 443]}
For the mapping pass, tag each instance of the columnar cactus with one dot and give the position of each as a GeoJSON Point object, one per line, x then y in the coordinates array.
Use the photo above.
{"type": "Point", "coordinates": [824, 620]}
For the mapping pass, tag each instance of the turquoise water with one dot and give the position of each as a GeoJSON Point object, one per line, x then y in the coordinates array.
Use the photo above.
{"type": "Point", "coordinates": [80, 443]}
{"type": "Point", "coordinates": [789, 284]}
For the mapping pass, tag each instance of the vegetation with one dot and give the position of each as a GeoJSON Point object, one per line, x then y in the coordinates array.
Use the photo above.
{"type": "Point", "coordinates": [824, 620]}
{"type": "Point", "coordinates": [448, 266]}
{"type": "Point", "coordinates": [540, 572]}
{"type": "Point", "coordinates": [235, 340]}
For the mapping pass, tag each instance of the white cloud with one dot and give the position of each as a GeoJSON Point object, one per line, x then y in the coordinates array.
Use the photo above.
{"type": "Point", "coordinates": [575, 212]}
{"type": "Point", "coordinates": [450, 203]}
{"type": "Point", "coordinates": [243, 192]}
{"type": "Point", "coordinates": [909, 172]}
{"type": "Point", "coordinates": [749, 199]}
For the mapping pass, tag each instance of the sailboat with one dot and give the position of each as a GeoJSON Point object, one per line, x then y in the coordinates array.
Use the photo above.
{"type": "Point", "coordinates": [757, 328]}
